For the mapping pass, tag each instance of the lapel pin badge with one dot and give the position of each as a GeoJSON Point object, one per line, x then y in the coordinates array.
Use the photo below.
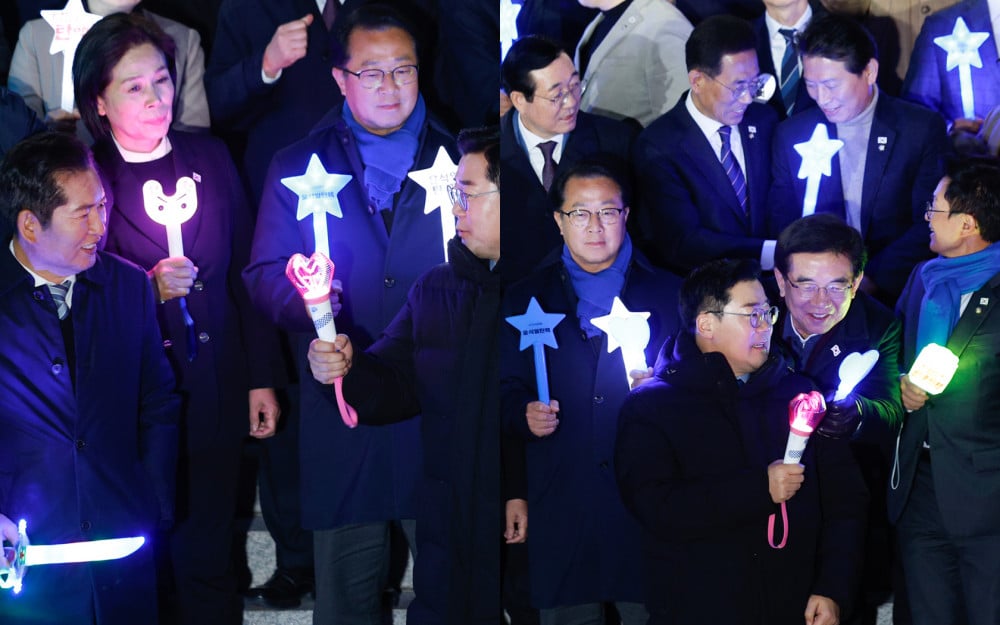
{"type": "Point", "coordinates": [984, 301]}
{"type": "Point", "coordinates": [196, 176]}
{"type": "Point", "coordinates": [882, 142]}
{"type": "Point", "coordinates": [835, 350]}
{"type": "Point", "coordinates": [752, 131]}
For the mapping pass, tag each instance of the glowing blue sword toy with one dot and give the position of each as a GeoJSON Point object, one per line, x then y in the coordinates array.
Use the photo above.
{"type": "Point", "coordinates": [18, 558]}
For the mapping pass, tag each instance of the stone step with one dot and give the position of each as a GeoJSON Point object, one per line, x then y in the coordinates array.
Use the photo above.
{"type": "Point", "coordinates": [254, 614]}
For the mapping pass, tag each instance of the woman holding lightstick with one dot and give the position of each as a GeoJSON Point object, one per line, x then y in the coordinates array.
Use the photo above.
{"type": "Point", "coordinates": [176, 208]}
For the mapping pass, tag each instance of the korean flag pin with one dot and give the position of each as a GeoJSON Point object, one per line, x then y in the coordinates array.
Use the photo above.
{"type": "Point", "coordinates": [752, 131]}
{"type": "Point", "coordinates": [882, 142]}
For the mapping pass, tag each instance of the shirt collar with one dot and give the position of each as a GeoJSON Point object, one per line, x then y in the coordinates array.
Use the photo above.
{"type": "Point", "coordinates": [709, 127]}
{"type": "Point", "coordinates": [39, 280]}
{"type": "Point", "coordinates": [531, 140]}
{"type": "Point", "coordinates": [799, 26]}
{"type": "Point", "coordinates": [143, 157]}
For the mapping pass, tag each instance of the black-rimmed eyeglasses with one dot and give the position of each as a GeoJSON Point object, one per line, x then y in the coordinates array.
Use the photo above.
{"type": "Point", "coordinates": [373, 78]}
{"type": "Point", "coordinates": [581, 218]}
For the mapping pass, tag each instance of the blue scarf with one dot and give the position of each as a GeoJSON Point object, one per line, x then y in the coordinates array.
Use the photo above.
{"type": "Point", "coordinates": [596, 291]}
{"type": "Point", "coordinates": [945, 279]}
{"type": "Point", "coordinates": [387, 158]}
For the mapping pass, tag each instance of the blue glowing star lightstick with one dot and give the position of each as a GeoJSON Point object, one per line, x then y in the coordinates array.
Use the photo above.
{"type": "Point", "coordinates": [817, 155]}
{"type": "Point", "coordinates": [22, 555]}
{"type": "Point", "coordinates": [537, 331]}
{"type": "Point", "coordinates": [317, 190]}
{"type": "Point", "coordinates": [435, 180]}
{"type": "Point", "coordinates": [628, 330]}
{"type": "Point", "coordinates": [962, 47]}
{"type": "Point", "coordinates": [508, 25]}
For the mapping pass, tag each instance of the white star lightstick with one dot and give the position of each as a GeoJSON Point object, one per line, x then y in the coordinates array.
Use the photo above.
{"type": "Point", "coordinates": [537, 329]}
{"type": "Point", "coordinates": [508, 25]}
{"type": "Point", "coordinates": [853, 368]}
{"type": "Point", "coordinates": [317, 190]}
{"type": "Point", "coordinates": [628, 330]}
{"type": "Point", "coordinates": [69, 25]}
{"type": "Point", "coordinates": [962, 48]}
{"type": "Point", "coordinates": [435, 180]}
{"type": "Point", "coordinates": [817, 155]}
{"type": "Point", "coordinates": [933, 369]}
{"type": "Point", "coordinates": [312, 278]}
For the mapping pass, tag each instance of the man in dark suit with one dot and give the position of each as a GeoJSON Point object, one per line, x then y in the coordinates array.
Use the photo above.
{"type": "Point", "coordinates": [541, 135]}
{"type": "Point", "coordinates": [704, 167]}
{"type": "Point", "coordinates": [777, 34]}
{"type": "Point", "coordinates": [944, 496]}
{"type": "Point", "coordinates": [819, 263]}
{"type": "Point", "coordinates": [932, 79]}
{"type": "Point", "coordinates": [879, 164]}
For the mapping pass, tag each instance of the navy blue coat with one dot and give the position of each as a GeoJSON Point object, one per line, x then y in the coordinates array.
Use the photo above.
{"type": "Point", "coordinates": [583, 546]}
{"type": "Point", "coordinates": [438, 357]}
{"type": "Point", "coordinates": [527, 231]}
{"type": "Point", "coordinates": [18, 120]}
{"type": "Point", "coordinates": [689, 211]}
{"type": "Point", "coordinates": [364, 474]}
{"type": "Point", "coordinates": [90, 461]}
{"type": "Point", "coordinates": [928, 80]}
{"type": "Point", "coordinates": [903, 166]}
{"type": "Point", "coordinates": [692, 455]}
{"type": "Point", "coordinates": [962, 424]}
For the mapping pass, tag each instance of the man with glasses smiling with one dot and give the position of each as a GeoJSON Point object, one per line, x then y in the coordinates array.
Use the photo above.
{"type": "Point", "coordinates": [704, 167]}
{"type": "Point", "coordinates": [818, 264]}
{"type": "Point", "coordinates": [356, 483]}
{"type": "Point", "coordinates": [698, 464]}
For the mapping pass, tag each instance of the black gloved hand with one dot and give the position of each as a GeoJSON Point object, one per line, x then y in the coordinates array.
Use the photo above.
{"type": "Point", "coordinates": [841, 420]}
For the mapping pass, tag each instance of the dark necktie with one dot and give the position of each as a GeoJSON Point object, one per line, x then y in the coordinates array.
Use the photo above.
{"type": "Point", "coordinates": [59, 292]}
{"type": "Point", "coordinates": [732, 168]}
{"type": "Point", "coordinates": [789, 69]}
{"type": "Point", "coordinates": [329, 13]}
{"type": "Point", "coordinates": [549, 168]}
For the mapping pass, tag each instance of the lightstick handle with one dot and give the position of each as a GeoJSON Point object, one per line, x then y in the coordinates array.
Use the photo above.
{"type": "Point", "coordinates": [541, 373]}
{"type": "Point", "coordinates": [322, 316]}
{"type": "Point", "coordinates": [795, 447]}
{"type": "Point", "coordinates": [175, 242]}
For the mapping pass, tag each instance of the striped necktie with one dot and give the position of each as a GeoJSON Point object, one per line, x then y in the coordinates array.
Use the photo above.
{"type": "Point", "coordinates": [733, 170]}
{"type": "Point", "coordinates": [59, 292]}
{"type": "Point", "coordinates": [789, 69]}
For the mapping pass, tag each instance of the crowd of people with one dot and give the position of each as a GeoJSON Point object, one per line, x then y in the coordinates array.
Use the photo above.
{"type": "Point", "coordinates": [714, 211]}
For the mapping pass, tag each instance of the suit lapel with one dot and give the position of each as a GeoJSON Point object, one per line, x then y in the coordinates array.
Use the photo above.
{"type": "Point", "coordinates": [753, 155]}
{"type": "Point", "coordinates": [881, 142]}
{"type": "Point", "coordinates": [707, 161]}
{"type": "Point", "coordinates": [978, 310]}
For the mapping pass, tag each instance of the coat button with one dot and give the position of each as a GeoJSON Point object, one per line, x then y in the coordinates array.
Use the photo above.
{"type": "Point", "coordinates": [57, 366]}
{"type": "Point", "coordinates": [598, 399]}
{"type": "Point", "coordinates": [167, 344]}
{"type": "Point", "coordinates": [85, 526]}
{"type": "Point", "coordinates": [80, 444]}
{"type": "Point", "coordinates": [389, 282]}
{"type": "Point", "coordinates": [38, 295]}
{"type": "Point", "coordinates": [204, 337]}
{"type": "Point", "coordinates": [199, 285]}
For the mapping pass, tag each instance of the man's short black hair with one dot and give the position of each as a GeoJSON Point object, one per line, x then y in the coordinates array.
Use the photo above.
{"type": "Point", "coordinates": [373, 16]}
{"type": "Point", "coordinates": [30, 172]}
{"type": "Point", "coordinates": [713, 39]}
{"type": "Point", "coordinates": [974, 189]}
{"type": "Point", "coordinates": [586, 169]}
{"type": "Point", "coordinates": [817, 234]}
{"type": "Point", "coordinates": [485, 141]}
{"type": "Point", "coordinates": [709, 287]}
{"type": "Point", "coordinates": [839, 38]}
{"type": "Point", "coordinates": [527, 54]}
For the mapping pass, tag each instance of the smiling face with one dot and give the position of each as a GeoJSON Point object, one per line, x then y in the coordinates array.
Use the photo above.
{"type": "Point", "coordinates": [138, 101]}
{"type": "Point", "coordinates": [595, 246]}
{"type": "Point", "coordinates": [744, 346]}
{"type": "Point", "coordinates": [714, 98]}
{"type": "Point", "coordinates": [68, 244]}
{"type": "Point", "coordinates": [841, 95]}
{"type": "Point", "coordinates": [819, 313]}
{"type": "Point", "coordinates": [384, 109]}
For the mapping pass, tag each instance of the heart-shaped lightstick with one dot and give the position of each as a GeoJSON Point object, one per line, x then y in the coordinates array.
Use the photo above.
{"type": "Point", "coordinates": [312, 277]}
{"type": "Point", "coordinates": [853, 369]}
{"type": "Point", "coordinates": [805, 411]}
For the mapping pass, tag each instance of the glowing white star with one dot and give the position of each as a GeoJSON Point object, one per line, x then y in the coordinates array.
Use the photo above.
{"type": "Point", "coordinates": [537, 329]}
{"type": "Point", "coordinates": [508, 25]}
{"type": "Point", "coordinates": [962, 47]}
{"type": "Point", "coordinates": [69, 25]}
{"type": "Point", "coordinates": [435, 180]}
{"type": "Point", "coordinates": [628, 330]}
{"type": "Point", "coordinates": [317, 190]}
{"type": "Point", "coordinates": [817, 157]}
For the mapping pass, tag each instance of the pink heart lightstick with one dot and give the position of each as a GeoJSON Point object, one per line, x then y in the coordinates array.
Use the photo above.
{"type": "Point", "coordinates": [312, 277]}
{"type": "Point", "coordinates": [805, 411]}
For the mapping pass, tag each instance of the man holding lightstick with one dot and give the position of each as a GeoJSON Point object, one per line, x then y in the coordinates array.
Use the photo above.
{"type": "Point", "coordinates": [698, 464]}
{"type": "Point", "coordinates": [945, 496]}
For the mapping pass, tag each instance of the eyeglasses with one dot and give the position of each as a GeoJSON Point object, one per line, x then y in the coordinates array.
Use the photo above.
{"type": "Point", "coordinates": [581, 218]}
{"type": "Point", "coordinates": [929, 211]}
{"type": "Point", "coordinates": [373, 78]}
{"type": "Point", "coordinates": [561, 99]}
{"type": "Point", "coordinates": [757, 317]}
{"type": "Point", "coordinates": [809, 290]}
{"type": "Point", "coordinates": [460, 197]}
{"type": "Point", "coordinates": [755, 86]}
